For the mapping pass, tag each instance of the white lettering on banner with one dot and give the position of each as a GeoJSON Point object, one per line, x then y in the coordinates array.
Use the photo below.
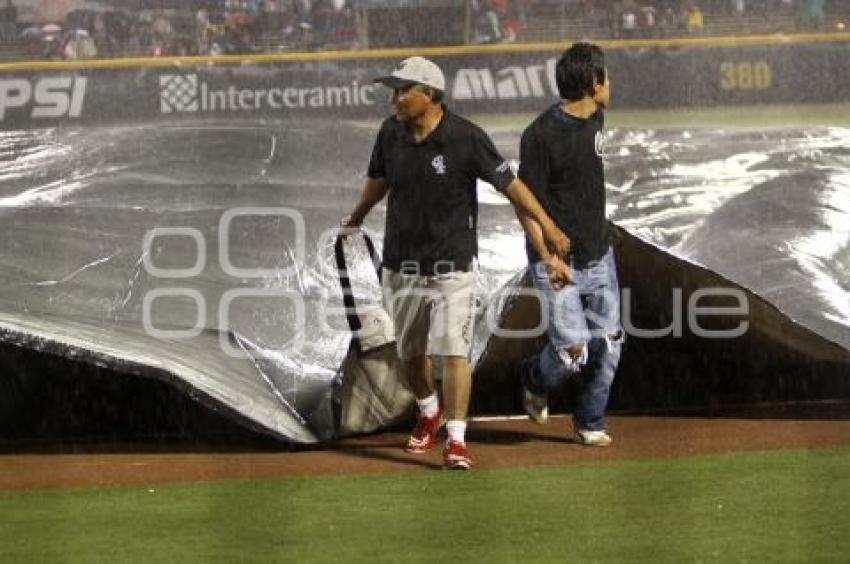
{"type": "Point", "coordinates": [231, 98]}
{"type": "Point", "coordinates": [245, 99]}
{"type": "Point", "coordinates": [474, 84]}
{"type": "Point", "coordinates": [336, 95]}
{"type": "Point", "coordinates": [186, 93]}
{"type": "Point", "coordinates": [52, 97]}
{"type": "Point", "coordinates": [509, 83]}
{"type": "Point", "coordinates": [317, 98]}
{"type": "Point", "coordinates": [218, 100]}
{"type": "Point", "coordinates": [366, 95]}
{"type": "Point", "coordinates": [77, 97]}
{"type": "Point", "coordinates": [14, 94]}
{"type": "Point", "coordinates": [277, 105]}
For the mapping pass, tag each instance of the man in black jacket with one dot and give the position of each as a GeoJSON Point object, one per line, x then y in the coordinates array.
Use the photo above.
{"type": "Point", "coordinates": [561, 161]}
{"type": "Point", "coordinates": [429, 159]}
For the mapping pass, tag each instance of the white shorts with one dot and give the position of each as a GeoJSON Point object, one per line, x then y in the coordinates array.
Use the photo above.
{"type": "Point", "coordinates": [433, 315]}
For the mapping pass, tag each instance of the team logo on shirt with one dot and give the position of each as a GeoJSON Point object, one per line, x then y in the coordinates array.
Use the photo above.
{"type": "Point", "coordinates": [439, 164]}
{"type": "Point", "coordinates": [599, 144]}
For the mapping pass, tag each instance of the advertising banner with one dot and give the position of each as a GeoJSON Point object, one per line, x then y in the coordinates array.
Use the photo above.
{"type": "Point", "coordinates": [653, 77]}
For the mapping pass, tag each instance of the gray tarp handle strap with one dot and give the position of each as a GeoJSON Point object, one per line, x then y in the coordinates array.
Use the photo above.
{"type": "Point", "coordinates": [345, 282]}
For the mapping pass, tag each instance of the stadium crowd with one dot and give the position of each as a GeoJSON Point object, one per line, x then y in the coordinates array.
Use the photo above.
{"type": "Point", "coordinates": [505, 20]}
{"type": "Point", "coordinates": [213, 27]}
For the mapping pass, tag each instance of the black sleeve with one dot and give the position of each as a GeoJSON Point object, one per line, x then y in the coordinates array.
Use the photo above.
{"type": "Point", "coordinates": [490, 166]}
{"type": "Point", "coordinates": [376, 163]}
{"type": "Point", "coordinates": [533, 166]}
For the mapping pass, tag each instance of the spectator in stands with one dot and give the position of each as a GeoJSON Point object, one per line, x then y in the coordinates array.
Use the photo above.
{"type": "Point", "coordinates": [52, 48]}
{"type": "Point", "coordinates": [269, 22]}
{"type": "Point", "coordinates": [304, 11]}
{"type": "Point", "coordinates": [696, 20]}
{"type": "Point", "coordinates": [203, 32]}
{"type": "Point", "coordinates": [488, 28]}
{"type": "Point", "coordinates": [102, 36]}
{"type": "Point", "coordinates": [79, 45]}
{"type": "Point", "coordinates": [738, 7]}
{"type": "Point", "coordinates": [138, 34]}
{"type": "Point", "coordinates": [648, 20]}
{"type": "Point", "coordinates": [239, 26]}
{"type": "Point", "coordinates": [669, 22]}
{"type": "Point", "coordinates": [209, 33]}
{"type": "Point", "coordinates": [237, 15]}
{"type": "Point", "coordinates": [163, 35]}
{"type": "Point", "coordinates": [118, 26]}
{"type": "Point", "coordinates": [8, 22]}
{"type": "Point", "coordinates": [279, 21]}
{"type": "Point", "coordinates": [628, 18]}
{"type": "Point", "coordinates": [334, 20]}
{"type": "Point", "coordinates": [812, 15]}
{"type": "Point", "coordinates": [512, 16]}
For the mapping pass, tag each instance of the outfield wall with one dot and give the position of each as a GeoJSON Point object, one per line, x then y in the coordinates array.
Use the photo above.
{"type": "Point", "coordinates": [645, 74]}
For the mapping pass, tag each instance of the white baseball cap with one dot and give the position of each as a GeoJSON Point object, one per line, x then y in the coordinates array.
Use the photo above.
{"type": "Point", "coordinates": [415, 70]}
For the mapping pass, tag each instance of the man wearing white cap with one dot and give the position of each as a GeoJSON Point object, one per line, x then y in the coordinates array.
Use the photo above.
{"type": "Point", "coordinates": [428, 159]}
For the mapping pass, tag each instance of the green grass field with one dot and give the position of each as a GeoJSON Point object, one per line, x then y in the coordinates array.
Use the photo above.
{"type": "Point", "coordinates": [789, 506]}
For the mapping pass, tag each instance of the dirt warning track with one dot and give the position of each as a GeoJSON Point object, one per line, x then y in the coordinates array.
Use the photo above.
{"type": "Point", "coordinates": [494, 444]}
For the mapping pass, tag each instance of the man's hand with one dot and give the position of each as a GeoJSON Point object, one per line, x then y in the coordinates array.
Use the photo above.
{"type": "Point", "coordinates": [349, 225]}
{"type": "Point", "coordinates": [556, 241]}
{"type": "Point", "coordinates": [529, 210]}
{"type": "Point", "coordinates": [351, 221]}
{"type": "Point", "coordinates": [558, 271]}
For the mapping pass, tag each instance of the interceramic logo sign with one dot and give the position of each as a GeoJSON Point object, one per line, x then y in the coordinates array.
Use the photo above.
{"type": "Point", "coordinates": [48, 97]}
{"type": "Point", "coordinates": [508, 83]}
{"type": "Point", "coordinates": [178, 93]}
{"type": "Point", "coordinates": [189, 93]}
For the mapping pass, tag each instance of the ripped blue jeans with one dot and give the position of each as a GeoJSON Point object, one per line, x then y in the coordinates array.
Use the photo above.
{"type": "Point", "coordinates": [585, 315]}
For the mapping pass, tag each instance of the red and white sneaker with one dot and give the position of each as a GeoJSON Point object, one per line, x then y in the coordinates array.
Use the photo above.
{"type": "Point", "coordinates": [455, 456]}
{"type": "Point", "coordinates": [424, 435]}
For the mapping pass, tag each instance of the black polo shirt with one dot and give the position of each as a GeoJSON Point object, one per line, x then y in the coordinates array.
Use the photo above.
{"type": "Point", "coordinates": [561, 162]}
{"type": "Point", "coordinates": [432, 211]}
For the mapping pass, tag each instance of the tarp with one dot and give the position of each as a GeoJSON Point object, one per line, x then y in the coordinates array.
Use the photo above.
{"type": "Point", "coordinates": [201, 253]}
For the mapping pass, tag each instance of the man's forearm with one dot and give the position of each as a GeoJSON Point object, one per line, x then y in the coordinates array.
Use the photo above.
{"type": "Point", "coordinates": [526, 204]}
{"type": "Point", "coordinates": [523, 200]}
{"type": "Point", "coordinates": [373, 192]}
{"type": "Point", "coordinates": [534, 233]}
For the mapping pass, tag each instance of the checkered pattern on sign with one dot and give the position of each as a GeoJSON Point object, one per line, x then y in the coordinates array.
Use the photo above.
{"type": "Point", "coordinates": [178, 93]}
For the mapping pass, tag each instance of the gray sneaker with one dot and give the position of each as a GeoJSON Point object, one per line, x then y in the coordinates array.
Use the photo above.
{"type": "Point", "coordinates": [594, 438]}
{"type": "Point", "coordinates": [536, 406]}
